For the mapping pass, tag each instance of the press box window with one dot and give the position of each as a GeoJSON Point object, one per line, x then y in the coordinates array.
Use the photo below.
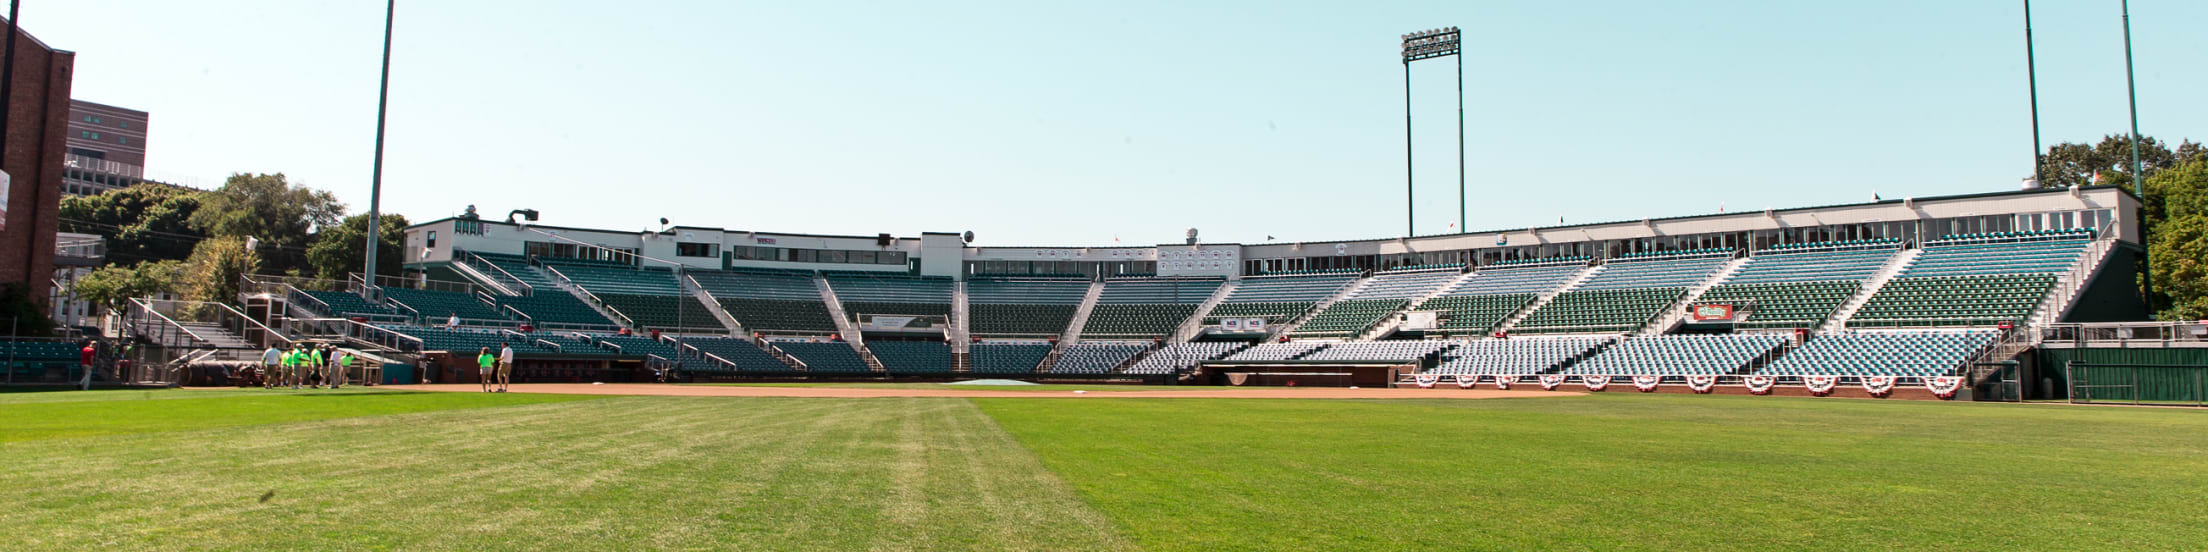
{"type": "Point", "coordinates": [697, 249]}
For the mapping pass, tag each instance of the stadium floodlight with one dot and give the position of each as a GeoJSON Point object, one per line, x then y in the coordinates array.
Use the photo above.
{"type": "Point", "coordinates": [375, 179]}
{"type": "Point", "coordinates": [1420, 45]}
{"type": "Point", "coordinates": [2031, 79]}
{"type": "Point", "coordinates": [2131, 91]}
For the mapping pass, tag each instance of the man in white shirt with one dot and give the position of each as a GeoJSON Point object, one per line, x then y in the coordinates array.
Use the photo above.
{"type": "Point", "coordinates": [505, 366]}
{"type": "Point", "coordinates": [272, 362]}
{"type": "Point", "coordinates": [453, 321]}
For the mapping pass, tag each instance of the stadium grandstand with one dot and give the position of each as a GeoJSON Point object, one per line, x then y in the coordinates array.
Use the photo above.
{"type": "Point", "coordinates": [1917, 288]}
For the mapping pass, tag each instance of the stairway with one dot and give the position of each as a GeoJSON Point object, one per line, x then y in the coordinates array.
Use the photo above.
{"type": "Point", "coordinates": [960, 331]}
{"type": "Point", "coordinates": [569, 287]}
{"type": "Point", "coordinates": [1327, 303]}
{"type": "Point", "coordinates": [503, 284]}
{"type": "Point", "coordinates": [1195, 322]}
{"type": "Point", "coordinates": [1678, 311]}
{"type": "Point", "coordinates": [1546, 296]}
{"type": "Point", "coordinates": [713, 305]}
{"type": "Point", "coordinates": [844, 326]}
{"type": "Point", "coordinates": [2073, 283]}
{"type": "Point", "coordinates": [1870, 287]}
{"type": "Point", "coordinates": [1081, 316]}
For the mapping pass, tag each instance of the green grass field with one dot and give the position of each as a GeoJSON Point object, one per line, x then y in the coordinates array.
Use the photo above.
{"type": "Point", "coordinates": [379, 470]}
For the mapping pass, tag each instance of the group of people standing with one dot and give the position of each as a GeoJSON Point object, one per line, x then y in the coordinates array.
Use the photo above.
{"type": "Point", "coordinates": [305, 365]}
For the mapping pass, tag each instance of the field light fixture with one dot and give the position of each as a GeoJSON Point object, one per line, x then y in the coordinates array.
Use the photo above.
{"type": "Point", "coordinates": [1429, 44]}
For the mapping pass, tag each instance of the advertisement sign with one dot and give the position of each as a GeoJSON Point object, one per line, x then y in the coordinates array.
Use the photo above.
{"type": "Point", "coordinates": [1231, 324]}
{"type": "Point", "coordinates": [1424, 320]}
{"type": "Point", "coordinates": [1704, 313]}
{"type": "Point", "coordinates": [1254, 324]}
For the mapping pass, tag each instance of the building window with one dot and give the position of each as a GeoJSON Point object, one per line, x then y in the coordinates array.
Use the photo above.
{"type": "Point", "coordinates": [124, 140]}
{"type": "Point", "coordinates": [697, 249]}
{"type": "Point", "coordinates": [124, 124]}
{"type": "Point", "coordinates": [433, 238]}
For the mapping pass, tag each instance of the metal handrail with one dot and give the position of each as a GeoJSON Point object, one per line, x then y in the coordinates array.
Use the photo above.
{"type": "Point", "coordinates": [594, 299]}
{"type": "Point", "coordinates": [525, 289]}
{"type": "Point", "coordinates": [139, 305]}
{"type": "Point", "coordinates": [397, 340]}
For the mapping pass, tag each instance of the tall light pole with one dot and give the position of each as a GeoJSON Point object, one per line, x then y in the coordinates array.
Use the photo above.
{"type": "Point", "coordinates": [2031, 78]}
{"type": "Point", "coordinates": [2131, 90]}
{"type": "Point", "coordinates": [1428, 45]}
{"type": "Point", "coordinates": [375, 181]}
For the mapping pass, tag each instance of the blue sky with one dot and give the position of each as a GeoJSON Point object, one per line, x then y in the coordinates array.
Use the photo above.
{"type": "Point", "coordinates": [1051, 123]}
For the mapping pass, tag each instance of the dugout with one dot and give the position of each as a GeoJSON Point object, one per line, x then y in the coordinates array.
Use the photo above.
{"type": "Point", "coordinates": [1303, 373]}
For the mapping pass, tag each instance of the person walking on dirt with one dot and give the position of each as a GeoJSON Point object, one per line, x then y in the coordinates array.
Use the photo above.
{"type": "Point", "coordinates": [485, 364]}
{"type": "Point", "coordinates": [272, 363]}
{"type": "Point", "coordinates": [505, 366]}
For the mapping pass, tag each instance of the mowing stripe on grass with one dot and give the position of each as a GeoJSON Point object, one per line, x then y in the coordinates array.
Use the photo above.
{"type": "Point", "coordinates": [1625, 471]}
{"type": "Point", "coordinates": [613, 474]}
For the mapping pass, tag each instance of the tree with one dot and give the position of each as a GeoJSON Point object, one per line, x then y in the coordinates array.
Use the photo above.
{"type": "Point", "coordinates": [114, 285]}
{"type": "Point", "coordinates": [2176, 211]}
{"type": "Point", "coordinates": [2068, 164]}
{"type": "Point", "coordinates": [2178, 260]}
{"type": "Point", "coordinates": [141, 223]}
{"type": "Point", "coordinates": [268, 207]}
{"type": "Point", "coordinates": [213, 271]}
{"type": "Point", "coordinates": [338, 250]}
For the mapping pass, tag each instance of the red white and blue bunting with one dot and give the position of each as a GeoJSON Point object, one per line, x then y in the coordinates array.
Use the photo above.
{"type": "Point", "coordinates": [1466, 382]}
{"type": "Point", "coordinates": [1878, 386]}
{"type": "Point", "coordinates": [1943, 387]}
{"type": "Point", "coordinates": [1426, 381]}
{"type": "Point", "coordinates": [1549, 382]}
{"type": "Point", "coordinates": [1702, 384]}
{"type": "Point", "coordinates": [1647, 384]}
{"type": "Point", "coordinates": [1503, 382]}
{"type": "Point", "coordinates": [1759, 385]}
{"type": "Point", "coordinates": [1820, 385]}
{"type": "Point", "coordinates": [1595, 383]}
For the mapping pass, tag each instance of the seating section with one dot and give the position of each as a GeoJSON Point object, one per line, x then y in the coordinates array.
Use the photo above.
{"type": "Point", "coordinates": [1797, 287]}
{"type": "Point", "coordinates": [650, 297]}
{"type": "Point", "coordinates": [1006, 358]}
{"type": "Point", "coordinates": [1600, 310]}
{"type": "Point", "coordinates": [669, 312]}
{"type": "Point", "coordinates": [554, 306]}
{"type": "Point", "coordinates": [1972, 283]}
{"type": "Point", "coordinates": [746, 356]}
{"type": "Point", "coordinates": [1514, 356]}
{"type": "Point", "coordinates": [1278, 351]}
{"type": "Point", "coordinates": [467, 342]}
{"type": "Point", "coordinates": [346, 303]}
{"type": "Point", "coordinates": [521, 269]}
{"type": "Point", "coordinates": [1181, 356]}
{"type": "Point", "coordinates": [912, 357]}
{"type": "Point", "coordinates": [1095, 358]}
{"type": "Point", "coordinates": [1905, 353]}
{"type": "Point", "coordinates": [1380, 296]}
{"type": "Point", "coordinates": [35, 359]}
{"type": "Point", "coordinates": [436, 306]}
{"type": "Point", "coordinates": [1380, 350]}
{"type": "Point", "coordinates": [638, 345]}
{"type": "Point", "coordinates": [1679, 355]}
{"type": "Point", "coordinates": [1005, 306]}
{"type": "Point", "coordinates": [1480, 301]}
{"type": "Point", "coordinates": [1279, 299]}
{"type": "Point", "coordinates": [1147, 307]}
{"type": "Point", "coordinates": [892, 295]}
{"type": "Point", "coordinates": [826, 357]}
{"type": "Point", "coordinates": [769, 300]}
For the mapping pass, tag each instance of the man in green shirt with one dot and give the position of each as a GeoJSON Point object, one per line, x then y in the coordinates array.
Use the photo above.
{"type": "Point", "coordinates": [486, 363]}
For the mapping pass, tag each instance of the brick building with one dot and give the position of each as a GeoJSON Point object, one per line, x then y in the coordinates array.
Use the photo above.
{"type": "Point", "coordinates": [37, 117]}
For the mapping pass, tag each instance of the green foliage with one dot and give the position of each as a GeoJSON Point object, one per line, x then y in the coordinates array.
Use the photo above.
{"type": "Point", "coordinates": [338, 250]}
{"type": "Point", "coordinates": [141, 223]}
{"type": "Point", "coordinates": [212, 272]}
{"type": "Point", "coordinates": [270, 208]}
{"type": "Point", "coordinates": [2178, 260]}
{"type": "Point", "coordinates": [29, 319]}
{"type": "Point", "coordinates": [2067, 165]}
{"type": "Point", "coordinates": [2175, 213]}
{"type": "Point", "coordinates": [112, 285]}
